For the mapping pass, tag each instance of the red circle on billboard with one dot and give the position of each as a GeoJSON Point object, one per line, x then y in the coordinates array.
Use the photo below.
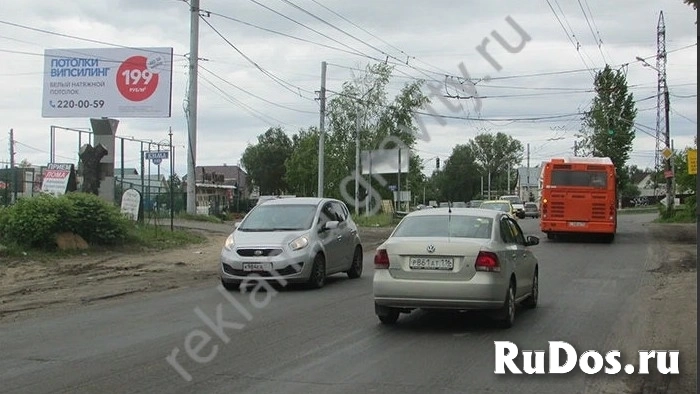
{"type": "Point", "coordinates": [134, 80]}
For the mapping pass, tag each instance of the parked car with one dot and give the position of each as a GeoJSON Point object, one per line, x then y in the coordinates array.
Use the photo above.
{"type": "Point", "coordinates": [518, 205]}
{"type": "Point", "coordinates": [292, 240]}
{"type": "Point", "coordinates": [462, 259]}
{"type": "Point", "coordinates": [499, 205]}
{"type": "Point", "coordinates": [532, 210]}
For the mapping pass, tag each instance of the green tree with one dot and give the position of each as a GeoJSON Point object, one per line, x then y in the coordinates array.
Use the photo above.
{"type": "Point", "coordinates": [302, 165]}
{"type": "Point", "coordinates": [685, 183]}
{"type": "Point", "coordinates": [497, 153]}
{"type": "Point", "coordinates": [460, 177]}
{"type": "Point", "coordinates": [364, 102]}
{"type": "Point", "coordinates": [608, 127]}
{"type": "Point", "coordinates": [265, 160]}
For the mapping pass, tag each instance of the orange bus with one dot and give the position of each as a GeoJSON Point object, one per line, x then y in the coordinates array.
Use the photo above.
{"type": "Point", "coordinates": [579, 195]}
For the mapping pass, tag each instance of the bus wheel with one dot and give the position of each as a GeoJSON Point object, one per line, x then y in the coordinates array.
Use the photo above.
{"type": "Point", "coordinates": [550, 236]}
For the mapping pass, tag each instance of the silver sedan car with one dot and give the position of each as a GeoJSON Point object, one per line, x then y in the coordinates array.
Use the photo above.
{"type": "Point", "coordinates": [292, 240]}
{"type": "Point", "coordinates": [459, 258]}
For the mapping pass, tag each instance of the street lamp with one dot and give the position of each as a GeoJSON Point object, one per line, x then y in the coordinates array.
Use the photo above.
{"type": "Point", "coordinates": [668, 163]}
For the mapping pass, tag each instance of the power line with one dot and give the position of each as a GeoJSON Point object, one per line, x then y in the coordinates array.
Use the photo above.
{"type": "Point", "coordinates": [576, 44]}
{"type": "Point", "coordinates": [288, 86]}
{"type": "Point", "coordinates": [596, 39]}
{"type": "Point", "coordinates": [600, 38]}
{"type": "Point", "coordinates": [524, 119]}
{"type": "Point", "coordinates": [334, 27]}
{"type": "Point", "coordinates": [309, 28]}
{"type": "Point", "coordinates": [361, 28]}
{"type": "Point", "coordinates": [683, 116]}
{"type": "Point", "coordinates": [255, 95]}
{"type": "Point", "coordinates": [279, 32]}
{"type": "Point", "coordinates": [255, 113]}
{"type": "Point", "coordinates": [77, 38]}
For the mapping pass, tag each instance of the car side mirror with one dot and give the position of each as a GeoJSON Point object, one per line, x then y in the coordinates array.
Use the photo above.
{"type": "Point", "coordinates": [330, 225]}
{"type": "Point", "coordinates": [531, 240]}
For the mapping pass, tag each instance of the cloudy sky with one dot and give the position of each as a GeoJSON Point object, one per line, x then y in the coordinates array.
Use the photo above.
{"type": "Point", "coordinates": [533, 93]}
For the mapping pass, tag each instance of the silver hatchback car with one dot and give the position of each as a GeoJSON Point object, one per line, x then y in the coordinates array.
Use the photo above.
{"type": "Point", "coordinates": [459, 258]}
{"type": "Point", "coordinates": [292, 240]}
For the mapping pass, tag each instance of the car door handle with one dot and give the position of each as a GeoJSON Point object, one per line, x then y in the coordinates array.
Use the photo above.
{"type": "Point", "coordinates": [340, 238]}
{"type": "Point", "coordinates": [515, 255]}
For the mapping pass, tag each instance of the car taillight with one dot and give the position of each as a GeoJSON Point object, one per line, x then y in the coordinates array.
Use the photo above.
{"type": "Point", "coordinates": [488, 262]}
{"type": "Point", "coordinates": [381, 259]}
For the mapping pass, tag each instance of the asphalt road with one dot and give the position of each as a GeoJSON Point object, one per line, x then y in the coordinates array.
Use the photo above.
{"type": "Point", "coordinates": [329, 340]}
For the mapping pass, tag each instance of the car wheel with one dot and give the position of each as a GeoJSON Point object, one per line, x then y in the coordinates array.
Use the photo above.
{"type": "Point", "coordinates": [355, 270]}
{"type": "Point", "coordinates": [231, 286]}
{"type": "Point", "coordinates": [531, 301]}
{"type": "Point", "coordinates": [318, 272]}
{"type": "Point", "coordinates": [550, 236]}
{"type": "Point", "coordinates": [507, 312]}
{"type": "Point", "coordinates": [386, 314]}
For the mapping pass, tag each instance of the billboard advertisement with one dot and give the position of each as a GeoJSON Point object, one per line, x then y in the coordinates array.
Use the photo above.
{"type": "Point", "coordinates": [56, 178]}
{"type": "Point", "coordinates": [107, 82]}
{"type": "Point", "coordinates": [384, 161]}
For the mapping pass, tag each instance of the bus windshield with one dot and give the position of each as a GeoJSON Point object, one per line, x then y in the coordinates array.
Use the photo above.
{"type": "Point", "coordinates": [579, 178]}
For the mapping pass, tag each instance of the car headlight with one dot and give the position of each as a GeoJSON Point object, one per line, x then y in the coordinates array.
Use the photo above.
{"type": "Point", "coordinates": [299, 243]}
{"type": "Point", "coordinates": [228, 244]}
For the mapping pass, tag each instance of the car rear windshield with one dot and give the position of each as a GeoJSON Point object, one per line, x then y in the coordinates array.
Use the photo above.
{"type": "Point", "coordinates": [496, 206]}
{"type": "Point", "coordinates": [579, 178]}
{"type": "Point", "coordinates": [279, 218]}
{"type": "Point", "coordinates": [457, 226]}
{"type": "Point", "coordinates": [512, 199]}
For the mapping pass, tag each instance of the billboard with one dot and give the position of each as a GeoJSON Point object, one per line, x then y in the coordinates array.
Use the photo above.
{"type": "Point", "coordinates": [384, 161]}
{"type": "Point", "coordinates": [107, 82]}
{"type": "Point", "coordinates": [56, 178]}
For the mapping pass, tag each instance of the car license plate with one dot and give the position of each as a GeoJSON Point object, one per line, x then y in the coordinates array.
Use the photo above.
{"type": "Point", "coordinates": [431, 263]}
{"type": "Point", "coordinates": [577, 224]}
{"type": "Point", "coordinates": [257, 267]}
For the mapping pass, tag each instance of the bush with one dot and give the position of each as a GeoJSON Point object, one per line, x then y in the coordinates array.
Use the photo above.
{"type": "Point", "coordinates": [97, 221]}
{"type": "Point", "coordinates": [35, 221]}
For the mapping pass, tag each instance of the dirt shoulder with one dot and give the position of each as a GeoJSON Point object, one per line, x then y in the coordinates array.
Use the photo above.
{"type": "Point", "coordinates": [670, 310]}
{"type": "Point", "coordinates": [30, 287]}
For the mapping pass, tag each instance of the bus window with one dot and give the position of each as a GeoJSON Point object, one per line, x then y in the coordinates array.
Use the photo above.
{"type": "Point", "coordinates": [579, 178]}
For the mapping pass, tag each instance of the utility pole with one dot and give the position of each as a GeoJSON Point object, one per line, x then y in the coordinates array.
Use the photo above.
{"type": "Point", "coordinates": [575, 148]}
{"type": "Point", "coordinates": [12, 164]}
{"type": "Point", "coordinates": [322, 130]}
{"type": "Point", "coordinates": [508, 176]}
{"type": "Point", "coordinates": [192, 108]}
{"type": "Point", "coordinates": [170, 184]}
{"type": "Point", "coordinates": [357, 162]}
{"type": "Point", "coordinates": [528, 174]}
{"type": "Point", "coordinates": [489, 185]}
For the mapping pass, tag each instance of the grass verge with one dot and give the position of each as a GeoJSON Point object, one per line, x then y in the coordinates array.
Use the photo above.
{"type": "Point", "coordinates": [380, 220]}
